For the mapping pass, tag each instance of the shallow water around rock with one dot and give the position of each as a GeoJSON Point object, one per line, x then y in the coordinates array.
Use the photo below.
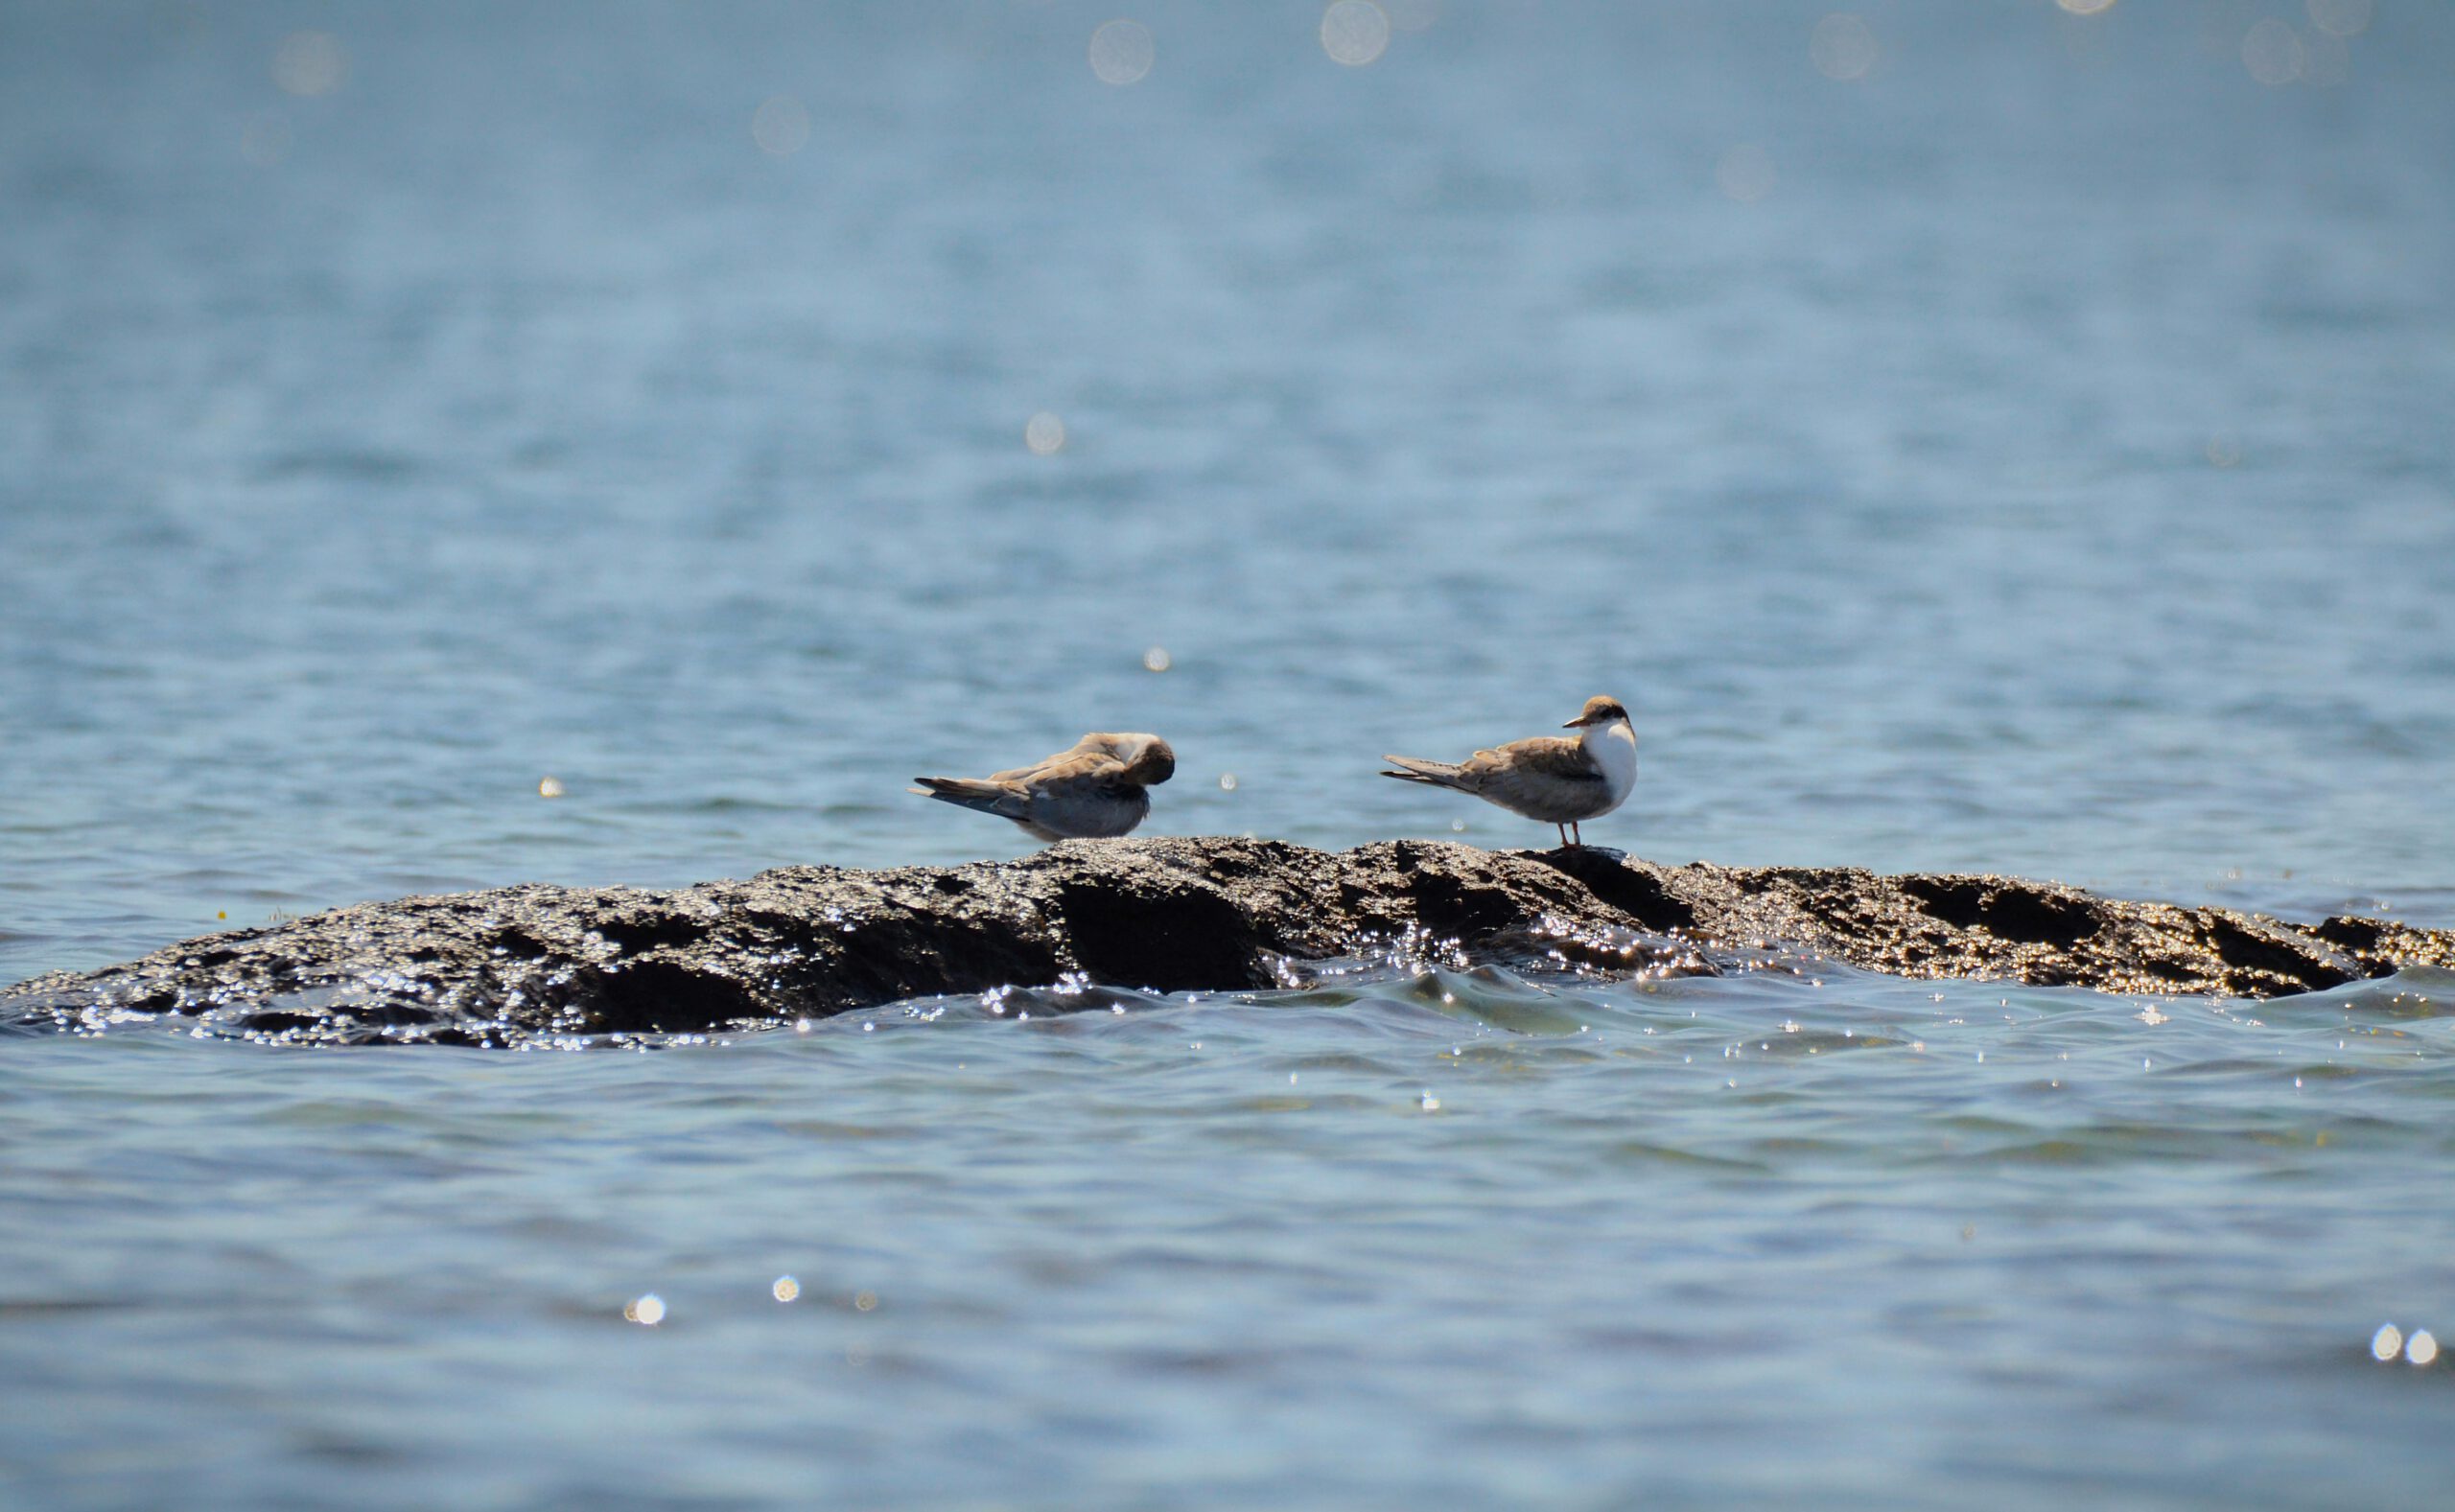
{"type": "Point", "coordinates": [1464, 1237]}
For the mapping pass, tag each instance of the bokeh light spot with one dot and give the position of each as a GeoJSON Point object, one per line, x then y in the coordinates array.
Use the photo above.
{"type": "Point", "coordinates": [1045, 433]}
{"type": "Point", "coordinates": [780, 126]}
{"type": "Point", "coordinates": [2386, 1343]}
{"type": "Point", "coordinates": [1122, 52]}
{"type": "Point", "coordinates": [1745, 172]}
{"type": "Point", "coordinates": [1355, 32]}
{"type": "Point", "coordinates": [648, 1310]}
{"type": "Point", "coordinates": [1156, 660]}
{"type": "Point", "coordinates": [549, 787]}
{"type": "Point", "coordinates": [2272, 51]}
{"type": "Point", "coordinates": [2340, 17]}
{"type": "Point", "coordinates": [1227, 782]}
{"type": "Point", "coordinates": [785, 1288]}
{"type": "Point", "coordinates": [1842, 47]}
{"type": "Point", "coordinates": [866, 1301]}
{"type": "Point", "coordinates": [2422, 1348]}
{"type": "Point", "coordinates": [310, 63]}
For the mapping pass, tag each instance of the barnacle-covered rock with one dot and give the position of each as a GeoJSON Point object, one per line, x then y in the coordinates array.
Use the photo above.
{"type": "Point", "coordinates": [525, 965]}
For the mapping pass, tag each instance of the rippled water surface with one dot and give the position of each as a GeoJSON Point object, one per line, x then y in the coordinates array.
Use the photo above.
{"type": "Point", "coordinates": [1458, 1239]}
{"type": "Point", "coordinates": [2028, 450]}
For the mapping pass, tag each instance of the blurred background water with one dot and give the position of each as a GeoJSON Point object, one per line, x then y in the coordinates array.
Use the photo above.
{"type": "Point", "coordinates": [2010, 438]}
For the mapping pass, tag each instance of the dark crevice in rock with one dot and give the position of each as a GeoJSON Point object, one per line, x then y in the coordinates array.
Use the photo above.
{"type": "Point", "coordinates": [643, 931]}
{"type": "Point", "coordinates": [2020, 912]}
{"type": "Point", "coordinates": [663, 997]}
{"type": "Point", "coordinates": [512, 943]}
{"type": "Point", "coordinates": [273, 1021]}
{"type": "Point", "coordinates": [1168, 938]}
{"type": "Point", "coordinates": [2352, 934]}
{"type": "Point", "coordinates": [1451, 906]}
{"type": "Point", "coordinates": [2262, 953]}
{"type": "Point", "coordinates": [1642, 894]}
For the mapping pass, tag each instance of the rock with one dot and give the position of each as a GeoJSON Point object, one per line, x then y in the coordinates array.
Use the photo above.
{"type": "Point", "coordinates": [525, 964]}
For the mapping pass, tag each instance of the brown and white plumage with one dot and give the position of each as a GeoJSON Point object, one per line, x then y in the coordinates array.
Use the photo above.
{"type": "Point", "coordinates": [1095, 788]}
{"type": "Point", "coordinates": [1557, 779]}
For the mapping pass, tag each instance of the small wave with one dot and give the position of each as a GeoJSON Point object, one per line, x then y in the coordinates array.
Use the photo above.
{"type": "Point", "coordinates": [345, 464]}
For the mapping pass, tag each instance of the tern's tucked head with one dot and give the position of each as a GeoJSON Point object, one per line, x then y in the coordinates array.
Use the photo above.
{"type": "Point", "coordinates": [1148, 759]}
{"type": "Point", "coordinates": [1598, 711]}
{"type": "Point", "coordinates": [1154, 763]}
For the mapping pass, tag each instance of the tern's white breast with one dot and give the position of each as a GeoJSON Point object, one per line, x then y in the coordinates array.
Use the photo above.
{"type": "Point", "coordinates": [1614, 747]}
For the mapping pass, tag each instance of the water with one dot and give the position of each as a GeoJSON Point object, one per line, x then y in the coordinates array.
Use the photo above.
{"type": "Point", "coordinates": [2049, 473]}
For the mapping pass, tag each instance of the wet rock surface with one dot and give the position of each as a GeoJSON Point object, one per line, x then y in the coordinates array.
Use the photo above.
{"type": "Point", "coordinates": [518, 964]}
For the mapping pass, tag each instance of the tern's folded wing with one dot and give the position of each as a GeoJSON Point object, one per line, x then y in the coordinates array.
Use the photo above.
{"type": "Point", "coordinates": [1539, 777]}
{"type": "Point", "coordinates": [1092, 747]}
{"type": "Point", "coordinates": [1071, 770]}
{"type": "Point", "coordinates": [1559, 758]}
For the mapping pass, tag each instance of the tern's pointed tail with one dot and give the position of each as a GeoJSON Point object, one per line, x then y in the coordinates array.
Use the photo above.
{"type": "Point", "coordinates": [990, 798]}
{"type": "Point", "coordinates": [1432, 773]}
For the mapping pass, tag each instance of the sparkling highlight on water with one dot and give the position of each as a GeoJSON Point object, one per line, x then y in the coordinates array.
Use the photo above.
{"type": "Point", "coordinates": [1355, 32]}
{"type": "Point", "coordinates": [1842, 48]}
{"type": "Point", "coordinates": [1122, 52]}
{"type": "Point", "coordinates": [2340, 17]}
{"type": "Point", "coordinates": [780, 126]}
{"type": "Point", "coordinates": [2273, 52]}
